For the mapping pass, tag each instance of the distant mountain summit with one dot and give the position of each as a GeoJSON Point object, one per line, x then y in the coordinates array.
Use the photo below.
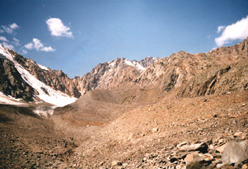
{"type": "Point", "coordinates": [113, 74]}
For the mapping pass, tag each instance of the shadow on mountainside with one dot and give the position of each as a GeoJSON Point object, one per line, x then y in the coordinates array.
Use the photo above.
{"type": "Point", "coordinates": [9, 112]}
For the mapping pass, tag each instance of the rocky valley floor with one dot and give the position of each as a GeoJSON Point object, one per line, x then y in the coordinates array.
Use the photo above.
{"type": "Point", "coordinates": [169, 133]}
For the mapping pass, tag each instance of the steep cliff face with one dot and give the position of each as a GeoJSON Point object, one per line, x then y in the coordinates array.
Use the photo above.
{"type": "Point", "coordinates": [56, 79]}
{"type": "Point", "coordinates": [11, 82]}
{"type": "Point", "coordinates": [18, 82]}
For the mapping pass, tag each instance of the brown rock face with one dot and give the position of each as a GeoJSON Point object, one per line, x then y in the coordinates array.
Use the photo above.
{"type": "Point", "coordinates": [11, 82]}
{"type": "Point", "coordinates": [218, 71]}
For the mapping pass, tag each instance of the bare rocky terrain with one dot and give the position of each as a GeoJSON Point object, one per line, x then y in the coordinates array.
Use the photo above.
{"type": "Point", "coordinates": [182, 111]}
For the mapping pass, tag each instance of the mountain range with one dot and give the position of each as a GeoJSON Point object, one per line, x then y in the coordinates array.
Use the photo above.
{"type": "Point", "coordinates": [218, 71]}
{"type": "Point", "coordinates": [182, 111]}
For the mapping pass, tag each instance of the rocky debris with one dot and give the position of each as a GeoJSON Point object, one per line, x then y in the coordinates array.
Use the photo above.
{"type": "Point", "coordinates": [198, 155]}
{"type": "Point", "coordinates": [30, 141]}
{"type": "Point", "coordinates": [207, 154]}
{"type": "Point", "coordinates": [197, 147]}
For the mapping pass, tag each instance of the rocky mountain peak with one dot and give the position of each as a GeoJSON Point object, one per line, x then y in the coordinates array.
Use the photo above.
{"type": "Point", "coordinates": [113, 74]}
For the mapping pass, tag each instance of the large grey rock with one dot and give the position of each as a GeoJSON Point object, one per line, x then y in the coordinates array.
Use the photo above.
{"type": "Point", "coordinates": [235, 152]}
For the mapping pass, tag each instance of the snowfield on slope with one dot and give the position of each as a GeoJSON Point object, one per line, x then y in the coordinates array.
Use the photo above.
{"type": "Point", "coordinates": [42, 67]}
{"type": "Point", "coordinates": [53, 97]}
{"type": "Point", "coordinates": [135, 64]}
{"type": "Point", "coordinates": [9, 100]}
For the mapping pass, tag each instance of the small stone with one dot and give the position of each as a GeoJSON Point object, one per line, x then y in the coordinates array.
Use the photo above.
{"type": "Point", "coordinates": [202, 147]}
{"type": "Point", "coordinates": [116, 163]}
{"type": "Point", "coordinates": [173, 159]}
{"type": "Point", "coordinates": [219, 165]}
{"type": "Point", "coordinates": [221, 141]}
{"type": "Point", "coordinates": [238, 134]}
{"type": "Point", "coordinates": [124, 165]}
{"type": "Point", "coordinates": [181, 144]}
{"type": "Point", "coordinates": [193, 157]}
{"type": "Point", "coordinates": [221, 148]}
{"type": "Point", "coordinates": [101, 163]}
{"type": "Point", "coordinates": [154, 130]}
{"type": "Point", "coordinates": [211, 147]}
{"type": "Point", "coordinates": [245, 166]}
{"type": "Point", "coordinates": [208, 157]}
{"type": "Point", "coordinates": [215, 116]}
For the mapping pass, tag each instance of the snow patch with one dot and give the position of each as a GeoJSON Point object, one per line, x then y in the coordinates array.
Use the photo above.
{"type": "Point", "coordinates": [112, 64]}
{"type": "Point", "coordinates": [9, 100]}
{"type": "Point", "coordinates": [42, 67]}
{"type": "Point", "coordinates": [135, 64]}
{"type": "Point", "coordinates": [46, 93]}
{"type": "Point", "coordinates": [44, 110]}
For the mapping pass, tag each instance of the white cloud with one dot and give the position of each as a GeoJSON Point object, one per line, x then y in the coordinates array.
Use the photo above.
{"type": "Point", "coordinates": [47, 49]}
{"type": "Point", "coordinates": [9, 29]}
{"type": "Point", "coordinates": [29, 46]}
{"type": "Point", "coordinates": [13, 26]}
{"type": "Point", "coordinates": [57, 28]}
{"type": "Point", "coordinates": [7, 45]}
{"type": "Point", "coordinates": [38, 45]}
{"type": "Point", "coordinates": [24, 52]}
{"type": "Point", "coordinates": [220, 28]}
{"type": "Point", "coordinates": [235, 31]}
{"type": "Point", "coordinates": [2, 38]}
{"type": "Point", "coordinates": [16, 41]}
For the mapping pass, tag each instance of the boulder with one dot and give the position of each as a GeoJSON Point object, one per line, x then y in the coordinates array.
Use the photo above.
{"type": "Point", "coordinates": [235, 153]}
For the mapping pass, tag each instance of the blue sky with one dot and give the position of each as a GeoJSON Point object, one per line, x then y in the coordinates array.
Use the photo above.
{"type": "Point", "coordinates": [76, 35]}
